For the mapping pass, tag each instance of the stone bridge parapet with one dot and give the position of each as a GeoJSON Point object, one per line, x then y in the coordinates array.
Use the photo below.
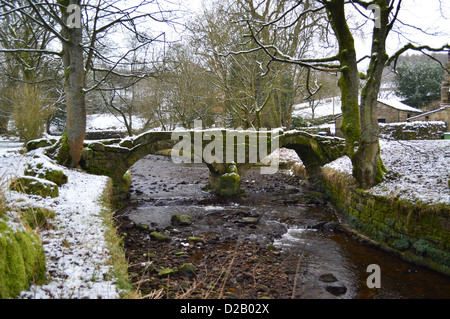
{"type": "Point", "coordinates": [114, 157]}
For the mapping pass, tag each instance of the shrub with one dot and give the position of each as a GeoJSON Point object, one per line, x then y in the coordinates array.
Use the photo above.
{"type": "Point", "coordinates": [30, 112]}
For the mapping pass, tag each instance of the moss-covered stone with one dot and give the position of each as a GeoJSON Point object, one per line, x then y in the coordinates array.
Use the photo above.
{"type": "Point", "coordinates": [97, 146]}
{"type": "Point", "coordinates": [48, 172]}
{"type": "Point", "coordinates": [187, 270]}
{"type": "Point", "coordinates": [164, 273]}
{"type": "Point", "coordinates": [126, 143]}
{"type": "Point", "coordinates": [35, 186]}
{"type": "Point", "coordinates": [63, 152]}
{"type": "Point", "coordinates": [181, 220]}
{"type": "Point", "coordinates": [39, 143]}
{"type": "Point", "coordinates": [159, 237]}
{"type": "Point", "coordinates": [22, 258]}
{"type": "Point", "coordinates": [194, 239]}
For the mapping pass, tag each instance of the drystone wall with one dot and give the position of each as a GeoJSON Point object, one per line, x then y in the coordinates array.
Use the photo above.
{"type": "Point", "coordinates": [433, 130]}
{"type": "Point", "coordinates": [417, 232]}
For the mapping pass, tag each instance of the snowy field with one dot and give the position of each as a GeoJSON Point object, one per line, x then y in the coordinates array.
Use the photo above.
{"type": "Point", "coordinates": [77, 257]}
{"type": "Point", "coordinates": [419, 170]}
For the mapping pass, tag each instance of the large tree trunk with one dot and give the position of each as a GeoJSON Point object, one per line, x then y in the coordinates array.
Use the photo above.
{"type": "Point", "coordinates": [349, 80]}
{"type": "Point", "coordinates": [75, 96]}
{"type": "Point", "coordinates": [360, 124]}
{"type": "Point", "coordinates": [368, 168]}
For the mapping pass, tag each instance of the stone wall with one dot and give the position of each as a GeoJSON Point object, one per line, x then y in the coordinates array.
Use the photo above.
{"type": "Point", "coordinates": [385, 114]}
{"type": "Point", "coordinates": [413, 131]}
{"type": "Point", "coordinates": [102, 135]}
{"type": "Point", "coordinates": [416, 232]}
{"type": "Point", "coordinates": [442, 114]}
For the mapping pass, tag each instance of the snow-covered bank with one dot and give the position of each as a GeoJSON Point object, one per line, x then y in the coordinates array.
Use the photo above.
{"type": "Point", "coordinates": [418, 170]}
{"type": "Point", "coordinates": [75, 247]}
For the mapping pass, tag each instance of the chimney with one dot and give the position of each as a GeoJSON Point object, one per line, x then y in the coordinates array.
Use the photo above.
{"type": "Point", "coordinates": [445, 91]}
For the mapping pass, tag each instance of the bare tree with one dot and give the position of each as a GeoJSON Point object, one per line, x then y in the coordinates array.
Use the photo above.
{"type": "Point", "coordinates": [250, 96]}
{"type": "Point", "coordinates": [359, 125]}
{"type": "Point", "coordinates": [30, 69]}
{"type": "Point", "coordinates": [82, 29]}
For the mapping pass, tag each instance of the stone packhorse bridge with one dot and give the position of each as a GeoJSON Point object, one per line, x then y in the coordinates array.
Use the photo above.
{"type": "Point", "coordinates": [113, 158]}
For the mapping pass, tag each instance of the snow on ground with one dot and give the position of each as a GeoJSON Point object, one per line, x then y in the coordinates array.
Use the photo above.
{"type": "Point", "coordinates": [105, 122]}
{"type": "Point", "coordinates": [332, 105]}
{"type": "Point", "coordinates": [77, 257]}
{"type": "Point", "coordinates": [325, 107]}
{"type": "Point", "coordinates": [419, 170]}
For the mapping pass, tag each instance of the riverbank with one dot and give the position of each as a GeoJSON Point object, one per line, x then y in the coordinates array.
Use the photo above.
{"type": "Point", "coordinates": [408, 214]}
{"type": "Point", "coordinates": [282, 241]}
{"type": "Point", "coordinates": [77, 241]}
{"type": "Point", "coordinates": [228, 265]}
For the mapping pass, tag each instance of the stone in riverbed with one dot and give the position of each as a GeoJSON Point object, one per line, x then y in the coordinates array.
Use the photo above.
{"type": "Point", "coordinates": [181, 220]}
{"type": "Point", "coordinates": [327, 278]}
{"type": "Point", "coordinates": [250, 220]}
{"type": "Point", "coordinates": [194, 239]}
{"type": "Point", "coordinates": [187, 270]}
{"type": "Point", "coordinates": [336, 288]}
{"type": "Point", "coordinates": [159, 237]}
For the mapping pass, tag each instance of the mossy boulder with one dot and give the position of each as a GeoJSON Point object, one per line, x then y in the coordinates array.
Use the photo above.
{"type": "Point", "coordinates": [159, 237]}
{"type": "Point", "coordinates": [35, 186]}
{"type": "Point", "coordinates": [46, 171]}
{"type": "Point", "coordinates": [164, 273]}
{"type": "Point", "coordinates": [194, 239]}
{"type": "Point", "coordinates": [181, 220]}
{"type": "Point", "coordinates": [39, 143]}
{"type": "Point", "coordinates": [187, 270]}
{"type": "Point", "coordinates": [230, 182]}
{"type": "Point", "coordinates": [22, 258]}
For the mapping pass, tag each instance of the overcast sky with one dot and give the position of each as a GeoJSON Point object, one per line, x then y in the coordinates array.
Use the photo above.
{"type": "Point", "coordinates": [430, 15]}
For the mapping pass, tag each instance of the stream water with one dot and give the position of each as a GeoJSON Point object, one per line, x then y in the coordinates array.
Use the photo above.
{"type": "Point", "coordinates": [278, 211]}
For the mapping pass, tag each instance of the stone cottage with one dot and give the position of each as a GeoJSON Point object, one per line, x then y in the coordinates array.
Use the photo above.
{"type": "Point", "coordinates": [388, 111]}
{"type": "Point", "coordinates": [442, 114]}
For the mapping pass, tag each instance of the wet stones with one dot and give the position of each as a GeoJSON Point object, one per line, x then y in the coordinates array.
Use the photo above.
{"type": "Point", "coordinates": [325, 226]}
{"type": "Point", "coordinates": [336, 288]}
{"type": "Point", "coordinates": [332, 285]}
{"type": "Point", "coordinates": [327, 278]}
{"type": "Point", "coordinates": [249, 220]}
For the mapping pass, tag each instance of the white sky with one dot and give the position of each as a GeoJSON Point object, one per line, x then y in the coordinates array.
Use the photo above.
{"type": "Point", "coordinates": [425, 14]}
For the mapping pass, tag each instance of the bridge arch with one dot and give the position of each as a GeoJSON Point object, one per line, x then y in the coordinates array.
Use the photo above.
{"type": "Point", "coordinates": [114, 158]}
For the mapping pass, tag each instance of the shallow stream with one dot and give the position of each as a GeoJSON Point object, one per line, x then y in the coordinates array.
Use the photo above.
{"type": "Point", "coordinates": [278, 211]}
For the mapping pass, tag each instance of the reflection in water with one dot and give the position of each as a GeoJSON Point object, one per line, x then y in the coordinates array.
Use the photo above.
{"type": "Point", "coordinates": [327, 264]}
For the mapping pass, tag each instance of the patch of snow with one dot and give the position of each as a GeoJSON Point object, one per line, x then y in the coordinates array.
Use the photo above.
{"type": "Point", "coordinates": [75, 248]}
{"type": "Point", "coordinates": [105, 122]}
{"type": "Point", "coordinates": [418, 170]}
{"type": "Point", "coordinates": [325, 107]}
